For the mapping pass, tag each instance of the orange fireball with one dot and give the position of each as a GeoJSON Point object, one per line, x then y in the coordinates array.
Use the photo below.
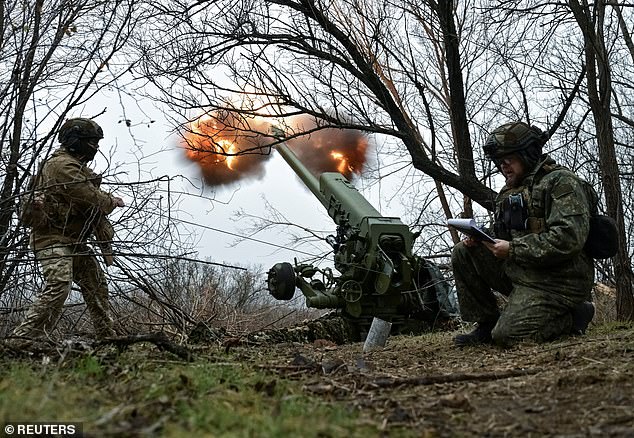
{"type": "Point", "coordinates": [343, 166]}
{"type": "Point", "coordinates": [229, 147]}
{"type": "Point", "coordinates": [331, 150]}
{"type": "Point", "coordinates": [226, 147]}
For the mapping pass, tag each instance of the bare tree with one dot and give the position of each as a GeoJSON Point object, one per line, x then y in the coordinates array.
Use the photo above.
{"type": "Point", "coordinates": [591, 42]}
{"type": "Point", "coordinates": [430, 76]}
{"type": "Point", "coordinates": [599, 82]}
{"type": "Point", "coordinates": [348, 64]}
{"type": "Point", "coordinates": [53, 55]}
{"type": "Point", "coordinates": [58, 59]}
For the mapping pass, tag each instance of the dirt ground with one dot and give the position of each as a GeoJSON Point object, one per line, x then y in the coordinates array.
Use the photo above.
{"type": "Point", "coordinates": [423, 386]}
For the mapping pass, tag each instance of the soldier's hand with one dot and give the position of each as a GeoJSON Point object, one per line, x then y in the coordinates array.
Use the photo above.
{"type": "Point", "coordinates": [118, 202]}
{"type": "Point", "coordinates": [500, 249]}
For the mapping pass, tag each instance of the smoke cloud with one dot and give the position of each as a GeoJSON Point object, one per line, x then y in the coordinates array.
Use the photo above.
{"type": "Point", "coordinates": [331, 150]}
{"type": "Point", "coordinates": [229, 148]}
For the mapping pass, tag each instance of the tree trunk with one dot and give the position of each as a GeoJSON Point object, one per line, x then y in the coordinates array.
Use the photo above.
{"type": "Point", "coordinates": [599, 94]}
{"type": "Point", "coordinates": [457, 105]}
{"type": "Point", "coordinates": [9, 188]}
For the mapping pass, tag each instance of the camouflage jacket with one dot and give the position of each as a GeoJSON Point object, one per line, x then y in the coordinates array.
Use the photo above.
{"type": "Point", "coordinates": [73, 202]}
{"type": "Point", "coordinates": [557, 221]}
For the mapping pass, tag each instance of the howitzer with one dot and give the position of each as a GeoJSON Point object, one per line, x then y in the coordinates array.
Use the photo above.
{"type": "Point", "coordinates": [380, 277]}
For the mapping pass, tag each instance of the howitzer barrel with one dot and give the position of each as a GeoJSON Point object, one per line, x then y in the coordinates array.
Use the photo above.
{"type": "Point", "coordinates": [302, 171]}
{"type": "Point", "coordinates": [340, 198]}
{"type": "Point", "coordinates": [380, 277]}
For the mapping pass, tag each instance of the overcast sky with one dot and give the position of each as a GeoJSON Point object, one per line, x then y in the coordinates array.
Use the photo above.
{"type": "Point", "coordinates": [162, 156]}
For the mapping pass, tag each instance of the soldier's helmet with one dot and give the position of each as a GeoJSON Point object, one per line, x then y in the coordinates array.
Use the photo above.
{"type": "Point", "coordinates": [78, 129]}
{"type": "Point", "coordinates": [515, 138]}
{"type": "Point", "coordinates": [80, 136]}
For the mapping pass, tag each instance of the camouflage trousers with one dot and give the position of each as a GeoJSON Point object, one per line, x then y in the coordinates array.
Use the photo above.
{"type": "Point", "coordinates": [62, 265]}
{"type": "Point", "coordinates": [532, 312]}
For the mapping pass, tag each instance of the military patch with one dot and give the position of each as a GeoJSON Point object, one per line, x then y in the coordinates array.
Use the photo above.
{"type": "Point", "coordinates": [562, 190]}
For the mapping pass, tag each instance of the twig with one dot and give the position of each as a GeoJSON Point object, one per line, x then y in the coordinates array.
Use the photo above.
{"type": "Point", "coordinates": [232, 342]}
{"type": "Point", "coordinates": [306, 367]}
{"type": "Point", "coordinates": [448, 378]}
{"type": "Point", "coordinates": [159, 339]}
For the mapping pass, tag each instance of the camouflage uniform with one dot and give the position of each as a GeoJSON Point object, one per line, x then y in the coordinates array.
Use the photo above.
{"type": "Point", "coordinates": [547, 272]}
{"type": "Point", "coordinates": [74, 206]}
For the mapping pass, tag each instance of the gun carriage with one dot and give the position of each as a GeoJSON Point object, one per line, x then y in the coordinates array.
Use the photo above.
{"type": "Point", "coordinates": [379, 275]}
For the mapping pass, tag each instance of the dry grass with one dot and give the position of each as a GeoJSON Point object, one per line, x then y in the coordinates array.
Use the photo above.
{"type": "Point", "coordinates": [140, 314]}
{"type": "Point", "coordinates": [604, 298]}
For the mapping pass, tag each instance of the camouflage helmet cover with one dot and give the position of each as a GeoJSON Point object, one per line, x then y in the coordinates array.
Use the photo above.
{"type": "Point", "coordinates": [512, 138]}
{"type": "Point", "coordinates": [77, 129]}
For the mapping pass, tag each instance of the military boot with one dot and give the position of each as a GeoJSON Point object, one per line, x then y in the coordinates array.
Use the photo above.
{"type": "Point", "coordinates": [582, 314]}
{"type": "Point", "coordinates": [480, 335]}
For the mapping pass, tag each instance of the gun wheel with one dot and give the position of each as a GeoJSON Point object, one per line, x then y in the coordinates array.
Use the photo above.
{"type": "Point", "coordinates": [351, 291]}
{"type": "Point", "coordinates": [281, 281]}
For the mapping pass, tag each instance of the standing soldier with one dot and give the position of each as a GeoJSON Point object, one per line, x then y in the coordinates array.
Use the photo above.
{"type": "Point", "coordinates": [67, 207]}
{"type": "Point", "coordinates": [542, 220]}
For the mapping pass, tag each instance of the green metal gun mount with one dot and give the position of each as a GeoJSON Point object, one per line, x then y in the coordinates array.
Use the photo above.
{"type": "Point", "coordinates": [380, 277]}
